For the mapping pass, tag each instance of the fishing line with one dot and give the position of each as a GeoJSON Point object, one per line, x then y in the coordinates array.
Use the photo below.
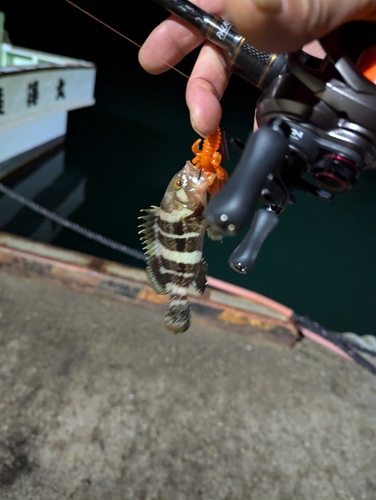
{"type": "Point", "coordinates": [122, 35]}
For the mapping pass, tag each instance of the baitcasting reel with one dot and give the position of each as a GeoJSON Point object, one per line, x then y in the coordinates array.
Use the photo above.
{"type": "Point", "coordinates": [316, 118]}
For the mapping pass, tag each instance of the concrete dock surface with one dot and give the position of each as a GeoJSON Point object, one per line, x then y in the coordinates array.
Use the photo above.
{"type": "Point", "coordinates": [99, 401]}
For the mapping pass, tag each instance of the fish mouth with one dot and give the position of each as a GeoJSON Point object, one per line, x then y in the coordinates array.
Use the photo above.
{"type": "Point", "coordinates": [202, 180]}
{"type": "Point", "coordinates": [199, 181]}
{"type": "Point", "coordinates": [199, 189]}
{"type": "Point", "coordinates": [203, 183]}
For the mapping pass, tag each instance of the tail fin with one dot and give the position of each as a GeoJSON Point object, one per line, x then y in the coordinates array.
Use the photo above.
{"type": "Point", "coordinates": [178, 315]}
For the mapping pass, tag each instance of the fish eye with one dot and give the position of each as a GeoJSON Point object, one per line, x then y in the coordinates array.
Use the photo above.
{"type": "Point", "coordinates": [178, 184]}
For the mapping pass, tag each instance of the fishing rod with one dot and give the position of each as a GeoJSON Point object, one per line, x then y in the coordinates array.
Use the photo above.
{"type": "Point", "coordinates": [316, 119]}
{"type": "Point", "coordinates": [257, 67]}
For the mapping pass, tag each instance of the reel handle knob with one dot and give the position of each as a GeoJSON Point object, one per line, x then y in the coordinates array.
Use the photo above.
{"type": "Point", "coordinates": [244, 256]}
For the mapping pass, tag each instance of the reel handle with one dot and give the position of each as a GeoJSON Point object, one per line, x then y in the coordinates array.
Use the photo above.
{"type": "Point", "coordinates": [232, 207]}
{"type": "Point", "coordinates": [244, 256]}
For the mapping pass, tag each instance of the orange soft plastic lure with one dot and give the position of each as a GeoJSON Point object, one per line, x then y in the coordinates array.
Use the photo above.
{"type": "Point", "coordinates": [208, 159]}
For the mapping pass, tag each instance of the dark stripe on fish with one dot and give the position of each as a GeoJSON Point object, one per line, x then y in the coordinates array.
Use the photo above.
{"type": "Point", "coordinates": [179, 267]}
{"type": "Point", "coordinates": [177, 228]}
{"type": "Point", "coordinates": [181, 244]}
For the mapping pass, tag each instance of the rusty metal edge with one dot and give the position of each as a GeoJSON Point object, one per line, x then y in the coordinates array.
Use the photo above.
{"type": "Point", "coordinates": [97, 276]}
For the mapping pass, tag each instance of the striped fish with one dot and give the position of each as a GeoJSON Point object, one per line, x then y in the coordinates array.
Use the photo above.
{"type": "Point", "coordinates": [173, 236]}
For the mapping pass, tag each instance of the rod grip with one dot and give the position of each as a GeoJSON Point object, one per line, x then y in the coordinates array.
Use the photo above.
{"type": "Point", "coordinates": [257, 67]}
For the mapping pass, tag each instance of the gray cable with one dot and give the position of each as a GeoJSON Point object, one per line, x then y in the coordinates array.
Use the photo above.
{"type": "Point", "coordinates": [136, 254]}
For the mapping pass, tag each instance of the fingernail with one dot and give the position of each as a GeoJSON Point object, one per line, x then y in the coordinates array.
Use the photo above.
{"type": "Point", "coordinates": [194, 126]}
{"type": "Point", "coordinates": [269, 5]}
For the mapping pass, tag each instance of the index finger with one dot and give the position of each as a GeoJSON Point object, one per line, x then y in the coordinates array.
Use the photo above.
{"type": "Point", "coordinates": [168, 44]}
{"type": "Point", "coordinates": [173, 39]}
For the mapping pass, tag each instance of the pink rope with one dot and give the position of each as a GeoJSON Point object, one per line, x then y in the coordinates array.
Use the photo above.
{"type": "Point", "coordinates": [252, 296]}
{"type": "Point", "coordinates": [326, 343]}
{"type": "Point", "coordinates": [275, 306]}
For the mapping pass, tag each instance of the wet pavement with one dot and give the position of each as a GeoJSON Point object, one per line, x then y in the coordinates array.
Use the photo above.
{"type": "Point", "coordinates": [98, 401]}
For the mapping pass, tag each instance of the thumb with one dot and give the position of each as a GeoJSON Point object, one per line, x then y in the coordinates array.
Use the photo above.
{"type": "Point", "coordinates": [287, 25]}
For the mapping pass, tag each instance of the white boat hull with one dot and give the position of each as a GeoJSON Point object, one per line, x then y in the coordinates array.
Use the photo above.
{"type": "Point", "coordinates": [28, 135]}
{"type": "Point", "coordinates": [37, 90]}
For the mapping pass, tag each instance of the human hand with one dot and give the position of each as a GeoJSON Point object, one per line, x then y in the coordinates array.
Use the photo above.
{"type": "Point", "coordinates": [271, 25]}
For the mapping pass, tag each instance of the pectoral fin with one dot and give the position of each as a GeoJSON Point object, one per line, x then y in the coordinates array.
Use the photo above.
{"type": "Point", "coordinates": [214, 234]}
{"type": "Point", "coordinates": [200, 280]}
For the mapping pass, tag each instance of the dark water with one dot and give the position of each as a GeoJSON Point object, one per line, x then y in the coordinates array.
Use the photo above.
{"type": "Point", "coordinates": [320, 260]}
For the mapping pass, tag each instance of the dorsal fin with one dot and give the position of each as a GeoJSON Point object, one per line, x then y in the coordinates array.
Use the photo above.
{"type": "Point", "coordinates": [150, 238]}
